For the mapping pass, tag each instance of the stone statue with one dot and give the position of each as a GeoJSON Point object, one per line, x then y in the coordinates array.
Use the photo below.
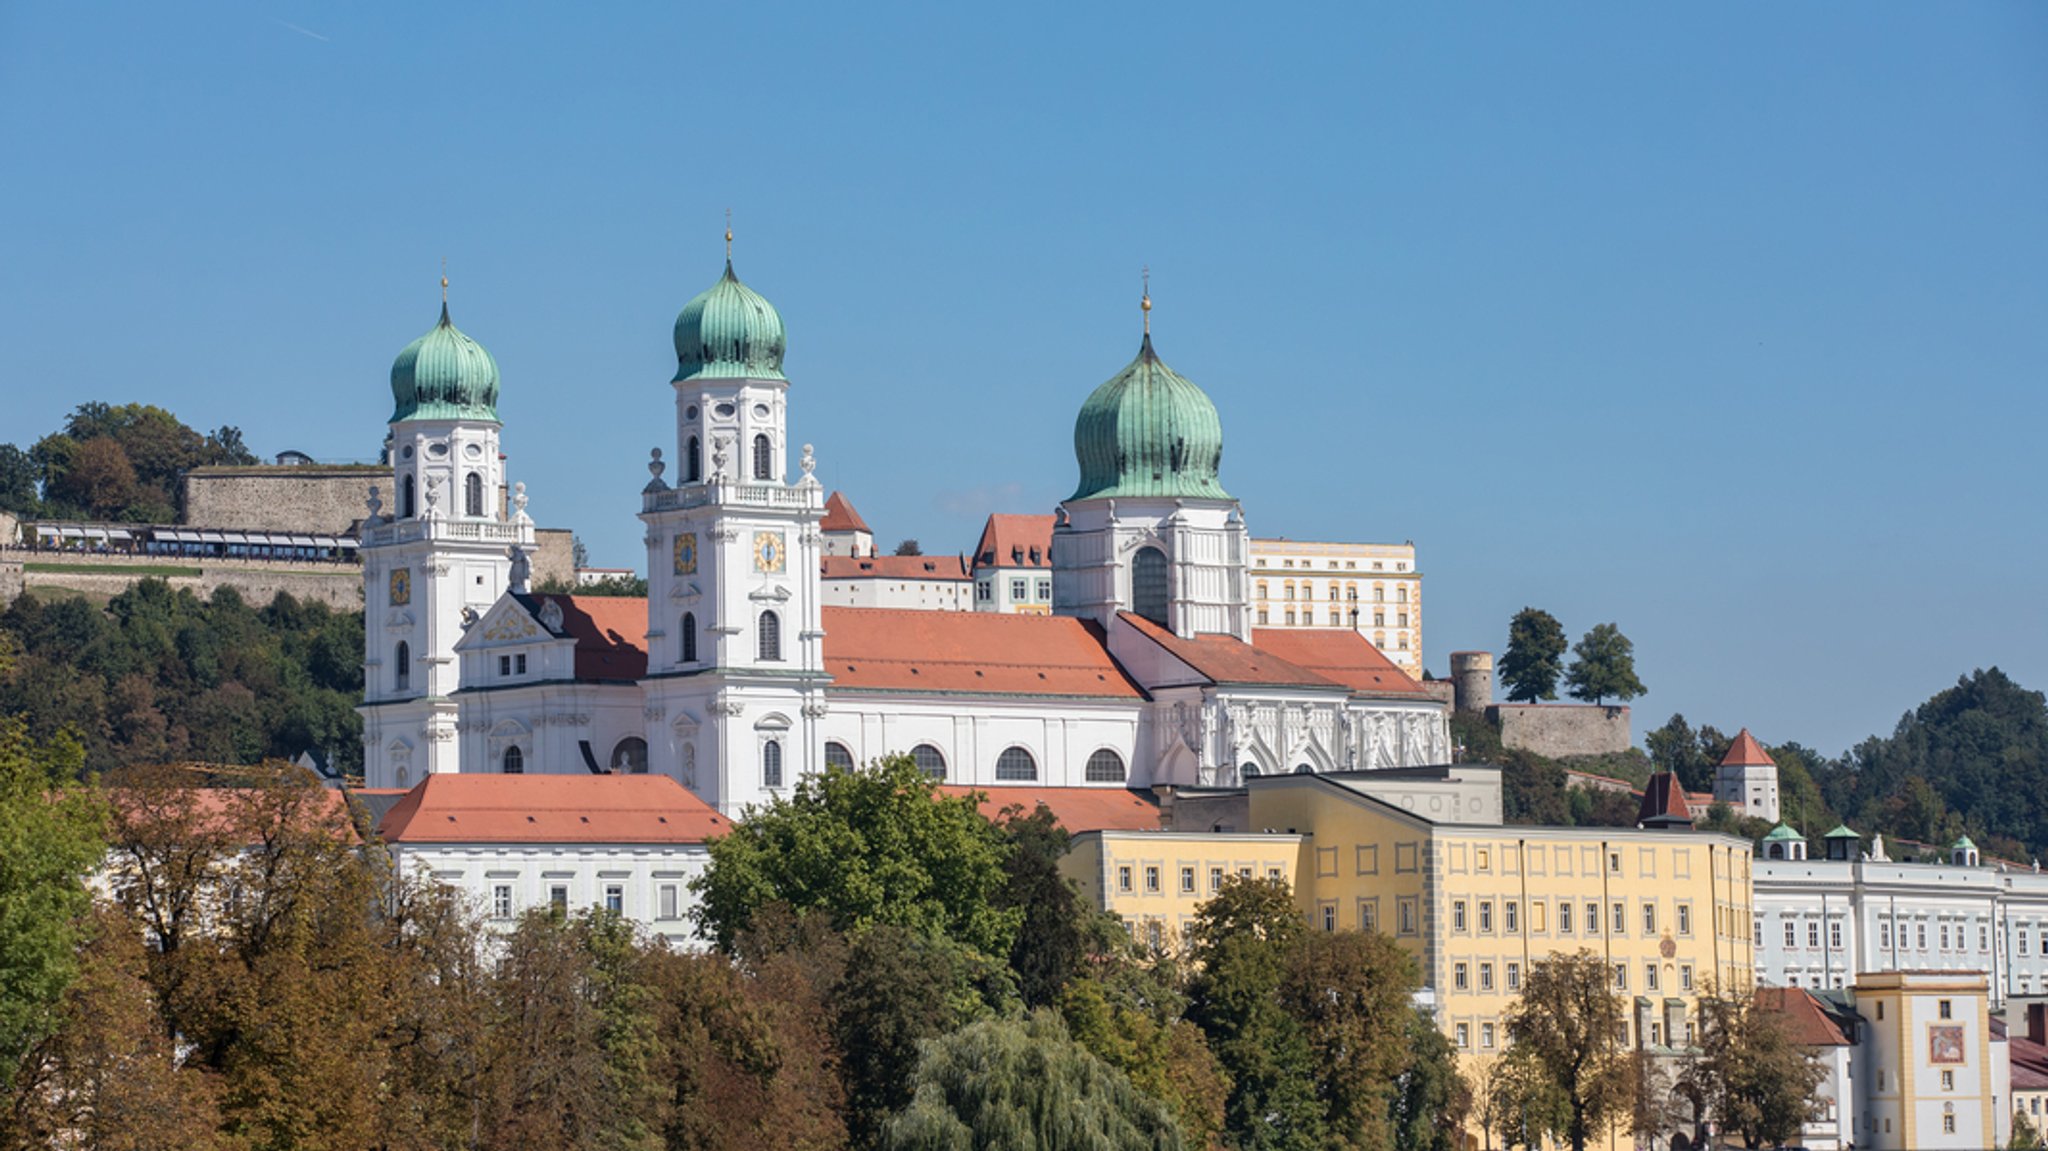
{"type": "Point", "coordinates": [376, 505]}
{"type": "Point", "coordinates": [809, 463]}
{"type": "Point", "coordinates": [551, 616]}
{"type": "Point", "coordinates": [656, 466]}
{"type": "Point", "coordinates": [522, 570]}
{"type": "Point", "coordinates": [519, 503]}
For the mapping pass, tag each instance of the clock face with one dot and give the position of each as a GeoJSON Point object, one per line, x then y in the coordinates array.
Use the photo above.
{"type": "Point", "coordinates": [401, 586]}
{"type": "Point", "coordinates": [768, 555]}
{"type": "Point", "coordinates": [686, 553]}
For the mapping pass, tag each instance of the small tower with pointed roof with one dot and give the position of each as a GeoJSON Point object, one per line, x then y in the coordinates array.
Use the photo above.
{"type": "Point", "coordinates": [1664, 807]}
{"type": "Point", "coordinates": [1747, 779]}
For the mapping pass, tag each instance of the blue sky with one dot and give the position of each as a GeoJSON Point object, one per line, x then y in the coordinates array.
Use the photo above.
{"type": "Point", "coordinates": [1728, 323]}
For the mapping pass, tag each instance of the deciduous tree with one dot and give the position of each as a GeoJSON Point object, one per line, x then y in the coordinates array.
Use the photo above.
{"type": "Point", "coordinates": [1603, 665]}
{"type": "Point", "coordinates": [1567, 1026]}
{"type": "Point", "coordinates": [1240, 945]}
{"type": "Point", "coordinates": [50, 838]}
{"type": "Point", "coordinates": [1754, 1081]}
{"type": "Point", "coordinates": [1351, 993]}
{"type": "Point", "coordinates": [1532, 664]}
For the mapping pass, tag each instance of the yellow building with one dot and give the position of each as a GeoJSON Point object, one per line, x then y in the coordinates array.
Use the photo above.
{"type": "Point", "coordinates": [1930, 1079]}
{"type": "Point", "coordinates": [1374, 589]}
{"type": "Point", "coordinates": [1422, 856]}
{"type": "Point", "coordinates": [1156, 879]}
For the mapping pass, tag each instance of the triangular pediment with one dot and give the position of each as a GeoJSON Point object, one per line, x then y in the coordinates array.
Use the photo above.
{"type": "Point", "coordinates": [508, 623]}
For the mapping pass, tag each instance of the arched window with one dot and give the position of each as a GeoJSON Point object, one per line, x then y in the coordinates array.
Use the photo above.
{"type": "Point", "coordinates": [771, 763]}
{"type": "Point", "coordinates": [689, 637]}
{"type": "Point", "coordinates": [1303, 769]}
{"type": "Point", "coordinates": [929, 760]}
{"type": "Point", "coordinates": [514, 761]}
{"type": "Point", "coordinates": [406, 491]}
{"type": "Point", "coordinates": [771, 636]}
{"type": "Point", "coordinates": [629, 757]}
{"type": "Point", "coordinates": [401, 666]}
{"type": "Point", "coordinates": [1105, 766]}
{"type": "Point", "coordinates": [838, 754]}
{"type": "Point", "coordinates": [404, 776]}
{"type": "Point", "coordinates": [1148, 584]}
{"type": "Point", "coordinates": [693, 462]}
{"type": "Point", "coordinates": [764, 458]}
{"type": "Point", "coordinates": [1248, 770]}
{"type": "Point", "coordinates": [1016, 765]}
{"type": "Point", "coordinates": [472, 495]}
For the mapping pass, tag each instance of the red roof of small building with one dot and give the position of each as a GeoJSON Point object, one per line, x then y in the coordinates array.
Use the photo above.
{"type": "Point", "coordinates": [2029, 1063]}
{"type": "Point", "coordinates": [1807, 1023]}
{"type": "Point", "coordinates": [840, 516]}
{"type": "Point", "coordinates": [1227, 659]}
{"type": "Point", "coordinates": [480, 807]}
{"type": "Point", "coordinates": [1746, 752]}
{"type": "Point", "coordinates": [1009, 541]}
{"type": "Point", "coordinates": [982, 653]}
{"type": "Point", "coordinates": [1340, 655]}
{"type": "Point", "coordinates": [1663, 801]}
{"type": "Point", "coordinates": [896, 567]}
{"type": "Point", "coordinates": [608, 631]}
{"type": "Point", "coordinates": [1077, 809]}
{"type": "Point", "coordinates": [217, 810]}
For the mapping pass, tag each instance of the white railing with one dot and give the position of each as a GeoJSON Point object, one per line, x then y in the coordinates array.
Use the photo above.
{"type": "Point", "coordinates": [757, 495]}
{"type": "Point", "coordinates": [402, 531]}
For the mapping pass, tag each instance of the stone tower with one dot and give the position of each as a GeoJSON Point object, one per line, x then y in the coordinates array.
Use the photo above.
{"type": "Point", "coordinates": [1472, 680]}
{"type": "Point", "coordinates": [735, 629]}
{"type": "Point", "coordinates": [1747, 780]}
{"type": "Point", "coordinates": [436, 557]}
{"type": "Point", "coordinates": [1150, 529]}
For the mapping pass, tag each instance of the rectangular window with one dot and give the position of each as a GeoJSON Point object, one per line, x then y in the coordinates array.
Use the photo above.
{"type": "Point", "coordinates": [1791, 934]}
{"type": "Point", "coordinates": [983, 592]}
{"type": "Point", "coordinates": [1406, 915]}
{"type": "Point", "coordinates": [1649, 919]}
{"type": "Point", "coordinates": [1514, 977]}
{"type": "Point", "coordinates": [1884, 936]}
{"type": "Point", "coordinates": [671, 901]}
{"type": "Point", "coordinates": [1835, 934]}
{"type": "Point", "coordinates": [1463, 1031]}
{"type": "Point", "coordinates": [1123, 877]}
{"type": "Point", "coordinates": [1329, 917]}
{"type": "Point", "coordinates": [1948, 1124]}
{"type": "Point", "coordinates": [1813, 934]}
{"type": "Point", "coordinates": [1649, 977]}
{"type": "Point", "coordinates": [1564, 918]}
{"type": "Point", "coordinates": [2023, 939]}
{"type": "Point", "coordinates": [1592, 919]}
{"type": "Point", "coordinates": [501, 901]}
{"type": "Point", "coordinates": [1945, 1008]}
{"type": "Point", "coordinates": [1457, 915]}
{"type": "Point", "coordinates": [1044, 590]}
{"type": "Point", "coordinates": [1458, 980]}
{"type": "Point", "coordinates": [1685, 977]}
{"type": "Point", "coordinates": [1614, 863]}
{"type": "Point", "coordinates": [1944, 937]}
{"type": "Point", "coordinates": [1151, 880]}
{"type": "Point", "coordinates": [1486, 977]}
{"type": "Point", "coordinates": [1187, 881]}
{"type": "Point", "coordinates": [615, 899]}
{"type": "Point", "coordinates": [1948, 1081]}
{"type": "Point", "coordinates": [558, 897]}
{"type": "Point", "coordinates": [1920, 935]}
{"type": "Point", "coordinates": [1656, 1035]}
{"type": "Point", "coordinates": [1618, 921]}
{"type": "Point", "coordinates": [1368, 915]}
{"type": "Point", "coordinates": [1273, 873]}
{"type": "Point", "coordinates": [1983, 938]}
{"type": "Point", "coordinates": [504, 665]}
{"type": "Point", "coordinates": [1263, 613]}
{"type": "Point", "coordinates": [1685, 920]}
{"type": "Point", "coordinates": [1215, 879]}
{"type": "Point", "coordinates": [1486, 1036]}
{"type": "Point", "coordinates": [1507, 911]}
{"type": "Point", "coordinates": [519, 664]}
{"type": "Point", "coordinates": [1621, 977]}
{"type": "Point", "coordinates": [1486, 915]}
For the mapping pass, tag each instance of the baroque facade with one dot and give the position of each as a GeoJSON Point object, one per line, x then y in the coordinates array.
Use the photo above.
{"type": "Point", "coordinates": [738, 673]}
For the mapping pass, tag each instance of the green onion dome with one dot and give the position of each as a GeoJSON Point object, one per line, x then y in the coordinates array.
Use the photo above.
{"type": "Point", "coordinates": [1149, 432]}
{"type": "Point", "coordinates": [444, 375]}
{"type": "Point", "coordinates": [729, 332]}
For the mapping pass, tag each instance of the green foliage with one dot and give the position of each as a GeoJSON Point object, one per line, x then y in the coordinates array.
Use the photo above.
{"type": "Point", "coordinates": [1532, 664]}
{"type": "Point", "coordinates": [1603, 665]}
{"type": "Point", "coordinates": [1351, 994]}
{"type": "Point", "coordinates": [1025, 1086]}
{"type": "Point", "coordinates": [1431, 1097]}
{"type": "Point", "coordinates": [162, 675]}
{"type": "Point", "coordinates": [47, 847]}
{"type": "Point", "coordinates": [1565, 1029]}
{"type": "Point", "coordinates": [2025, 1135]}
{"type": "Point", "coordinates": [627, 587]}
{"type": "Point", "coordinates": [1691, 755]}
{"type": "Point", "coordinates": [1751, 1078]}
{"type": "Point", "coordinates": [1130, 1014]}
{"type": "Point", "coordinates": [122, 463]}
{"type": "Point", "coordinates": [1058, 931]}
{"type": "Point", "coordinates": [863, 846]}
{"type": "Point", "coordinates": [1239, 945]}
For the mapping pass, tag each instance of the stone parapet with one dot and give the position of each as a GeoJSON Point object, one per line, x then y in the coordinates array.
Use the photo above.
{"type": "Point", "coordinates": [1558, 730]}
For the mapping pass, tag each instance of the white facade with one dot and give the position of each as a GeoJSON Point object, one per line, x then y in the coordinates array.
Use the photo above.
{"type": "Point", "coordinates": [1375, 589]}
{"type": "Point", "coordinates": [1929, 1076]}
{"type": "Point", "coordinates": [647, 884]}
{"type": "Point", "coordinates": [911, 583]}
{"type": "Point", "coordinates": [1178, 562]}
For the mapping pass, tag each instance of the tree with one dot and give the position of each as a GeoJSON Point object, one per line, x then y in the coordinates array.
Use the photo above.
{"type": "Point", "coordinates": [1351, 994]}
{"type": "Point", "coordinates": [1674, 748]}
{"type": "Point", "coordinates": [2025, 1135]}
{"type": "Point", "coordinates": [863, 846]}
{"type": "Point", "coordinates": [1567, 1025]}
{"type": "Point", "coordinates": [1058, 930]}
{"type": "Point", "coordinates": [1517, 1099]}
{"type": "Point", "coordinates": [909, 548]}
{"type": "Point", "coordinates": [1022, 1086]}
{"type": "Point", "coordinates": [47, 847]}
{"type": "Point", "coordinates": [1754, 1081]}
{"type": "Point", "coordinates": [1431, 1097]}
{"type": "Point", "coordinates": [18, 479]}
{"type": "Point", "coordinates": [1531, 666]}
{"type": "Point", "coordinates": [898, 989]}
{"type": "Point", "coordinates": [1240, 945]}
{"type": "Point", "coordinates": [1130, 1014]}
{"type": "Point", "coordinates": [1604, 664]}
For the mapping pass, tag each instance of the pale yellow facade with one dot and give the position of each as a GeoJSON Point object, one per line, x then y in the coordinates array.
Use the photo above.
{"type": "Point", "coordinates": [1373, 589]}
{"type": "Point", "coordinates": [1929, 1076]}
{"type": "Point", "coordinates": [1155, 880]}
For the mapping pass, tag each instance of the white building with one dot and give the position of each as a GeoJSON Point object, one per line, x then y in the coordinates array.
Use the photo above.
{"type": "Point", "coordinates": [1746, 779]}
{"type": "Point", "coordinates": [1374, 589]}
{"type": "Point", "coordinates": [737, 673]}
{"type": "Point", "coordinates": [911, 583]}
{"type": "Point", "coordinates": [625, 843]}
{"type": "Point", "coordinates": [1013, 565]}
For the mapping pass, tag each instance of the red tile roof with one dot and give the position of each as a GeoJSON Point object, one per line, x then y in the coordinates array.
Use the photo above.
{"type": "Point", "coordinates": [1227, 659]}
{"type": "Point", "coordinates": [840, 516]}
{"type": "Point", "coordinates": [1663, 802]}
{"type": "Point", "coordinates": [1746, 752]}
{"type": "Point", "coordinates": [478, 807]}
{"type": "Point", "coordinates": [223, 810]}
{"type": "Point", "coordinates": [1015, 541]}
{"type": "Point", "coordinates": [1078, 809]}
{"type": "Point", "coordinates": [983, 653]}
{"type": "Point", "coordinates": [1807, 1023]}
{"type": "Point", "coordinates": [1340, 655]}
{"type": "Point", "coordinates": [2029, 1064]}
{"type": "Point", "coordinates": [896, 567]}
{"type": "Point", "coordinates": [608, 631]}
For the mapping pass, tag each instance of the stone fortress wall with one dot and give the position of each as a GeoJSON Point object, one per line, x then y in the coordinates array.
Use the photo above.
{"type": "Point", "coordinates": [324, 498]}
{"type": "Point", "coordinates": [1555, 730]}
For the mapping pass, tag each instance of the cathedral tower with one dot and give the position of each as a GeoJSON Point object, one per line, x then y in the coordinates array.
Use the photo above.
{"type": "Point", "coordinates": [1150, 529]}
{"type": "Point", "coordinates": [735, 634]}
{"type": "Point", "coordinates": [437, 555]}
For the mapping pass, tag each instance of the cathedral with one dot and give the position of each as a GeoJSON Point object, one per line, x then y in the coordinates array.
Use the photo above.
{"type": "Point", "coordinates": [733, 677]}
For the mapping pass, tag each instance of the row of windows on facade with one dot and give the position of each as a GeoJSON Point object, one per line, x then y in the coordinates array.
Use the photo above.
{"type": "Point", "coordinates": [1617, 921]}
{"type": "Point", "coordinates": [768, 646]}
{"type": "Point", "coordinates": [1349, 565]}
{"type": "Point", "coordinates": [1461, 1035]}
{"type": "Point", "coordinates": [985, 591]}
{"type": "Point", "coordinates": [1338, 619]}
{"type": "Point", "coordinates": [1124, 876]}
{"type": "Point", "coordinates": [1308, 592]}
{"type": "Point", "coordinates": [1014, 765]}
{"type": "Point", "coordinates": [472, 496]}
{"type": "Point", "coordinates": [668, 898]}
{"type": "Point", "coordinates": [1948, 937]}
{"type": "Point", "coordinates": [764, 459]}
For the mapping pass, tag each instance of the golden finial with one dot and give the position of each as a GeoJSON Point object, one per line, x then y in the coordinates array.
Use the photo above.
{"type": "Point", "coordinates": [444, 279]}
{"type": "Point", "coordinates": [1145, 301]}
{"type": "Point", "coordinates": [728, 235]}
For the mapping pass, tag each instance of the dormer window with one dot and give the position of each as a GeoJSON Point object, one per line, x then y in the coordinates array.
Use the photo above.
{"type": "Point", "coordinates": [512, 664]}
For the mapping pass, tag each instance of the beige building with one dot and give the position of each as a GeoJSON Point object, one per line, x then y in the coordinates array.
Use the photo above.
{"type": "Point", "coordinates": [1930, 1076]}
{"type": "Point", "coordinates": [1372, 588]}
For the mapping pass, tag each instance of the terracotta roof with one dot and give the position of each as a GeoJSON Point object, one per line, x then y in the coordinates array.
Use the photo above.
{"type": "Point", "coordinates": [608, 631]}
{"type": "Point", "coordinates": [1807, 1022]}
{"type": "Point", "coordinates": [1015, 541]}
{"type": "Point", "coordinates": [1663, 802]}
{"type": "Point", "coordinates": [215, 810]}
{"type": "Point", "coordinates": [1078, 809]}
{"type": "Point", "coordinates": [480, 807]}
{"type": "Point", "coordinates": [981, 653]}
{"type": "Point", "coordinates": [1746, 752]}
{"type": "Point", "coordinates": [2029, 1064]}
{"type": "Point", "coordinates": [840, 516]}
{"type": "Point", "coordinates": [896, 567]}
{"type": "Point", "coordinates": [1227, 659]}
{"type": "Point", "coordinates": [1340, 655]}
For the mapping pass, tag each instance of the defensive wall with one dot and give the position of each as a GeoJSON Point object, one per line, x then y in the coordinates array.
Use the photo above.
{"type": "Point", "coordinates": [319, 498]}
{"type": "Point", "coordinates": [1558, 730]}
